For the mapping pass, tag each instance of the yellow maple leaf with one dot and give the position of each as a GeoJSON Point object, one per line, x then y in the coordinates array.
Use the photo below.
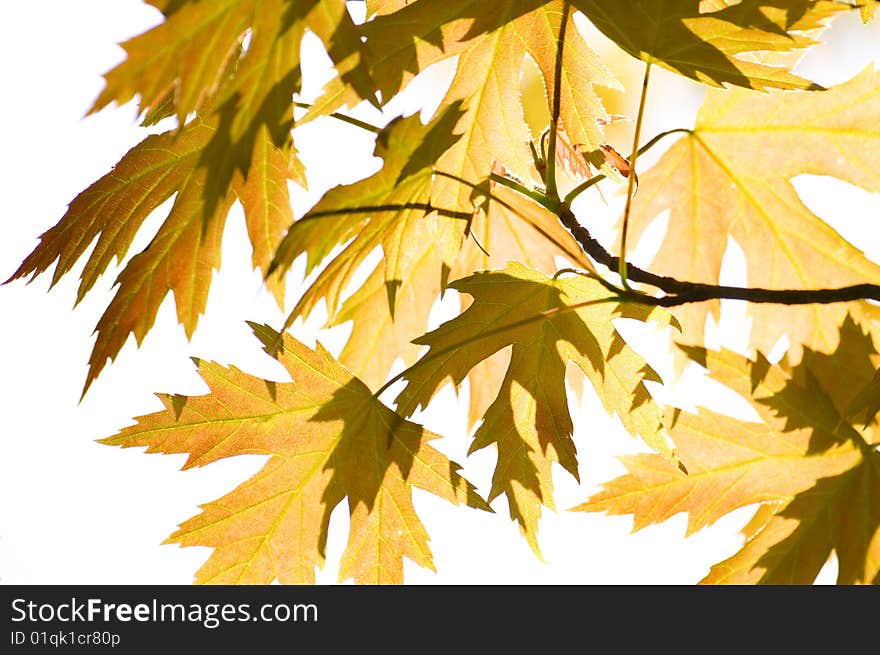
{"type": "Point", "coordinates": [549, 323]}
{"type": "Point", "coordinates": [487, 83]}
{"type": "Point", "coordinates": [186, 249]}
{"type": "Point", "coordinates": [236, 63]}
{"type": "Point", "coordinates": [385, 209]}
{"type": "Point", "coordinates": [491, 43]}
{"type": "Point", "coordinates": [509, 227]}
{"type": "Point", "coordinates": [384, 6]}
{"type": "Point", "coordinates": [816, 475]}
{"type": "Point", "coordinates": [188, 52]}
{"type": "Point", "coordinates": [732, 177]}
{"type": "Point", "coordinates": [328, 439]}
{"type": "Point", "coordinates": [378, 337]}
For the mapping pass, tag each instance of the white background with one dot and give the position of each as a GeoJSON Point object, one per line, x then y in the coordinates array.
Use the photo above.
{"type": "Point", "coordinates": [74, 511]}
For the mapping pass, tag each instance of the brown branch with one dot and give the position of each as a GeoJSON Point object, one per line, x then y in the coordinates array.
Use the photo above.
{"type": "Point", "coordinates": [677, 292]}
{"type": "Point", "coordinates": [680, 292]}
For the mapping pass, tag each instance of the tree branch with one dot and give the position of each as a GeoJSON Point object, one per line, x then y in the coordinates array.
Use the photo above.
{"type": "Point", "coordinates": [680, 292]}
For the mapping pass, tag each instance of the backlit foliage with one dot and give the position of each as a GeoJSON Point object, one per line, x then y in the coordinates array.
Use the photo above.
{"type": "Point", "coordinates": [469, 200]}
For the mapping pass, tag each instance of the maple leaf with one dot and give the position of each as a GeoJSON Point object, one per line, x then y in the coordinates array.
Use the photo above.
{"type": "Point", "coordinates": [384, 210]}
{"type": "Point", "coordinates": [493, 128]}
{"type": "Point", "coordinates": [549, 323]}
{"type": "Point", "coordinates": [504, 228]}
{"type": "Point", "coordinates": [732, 176]}
{"type": "Point", "coordinates": [379, 7]}
{"type": "Point", "coordinates": [236, 63]}
{"type": "Point", "coordinates": [421, 243]}
{"type": "Point", "coordinates": [816, 474]}
{"type": "Point", "coordinates": [491, 42]}
{"type": "Point", "coordinates": [508, 226]}
{"type": "Point", "coordinates": [378, 337]}
{"type": "Point", "coordinates": [189, 51]}
{"type": "Point", "coordinates": [703, 42]}
{"type": "Point", "coordinates": [794, 545]}
{"type": "Point", "coordinates": [328, 439]}
{"type": "Point", "coordinates": [866, 403]}
{"type": "Point", "coordinates": [265, 198]}
{"type": "Point", "coordinates": [186, 249]}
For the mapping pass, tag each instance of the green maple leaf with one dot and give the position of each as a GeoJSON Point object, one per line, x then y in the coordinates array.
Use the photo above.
{"type": "Point", "coordinates": [549, 323]}
{"type": "Point", "coordinates": [328, 439]}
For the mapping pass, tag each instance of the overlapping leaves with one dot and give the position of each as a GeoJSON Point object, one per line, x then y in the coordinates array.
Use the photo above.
{"type": "Point", "coordinates": [186, 249]}
{"type": "Point", "coordinates": [547, 323]}
{"type": "Point", "coordinates": [386, 209]}
{"type": "Point", "coordinates": [706, 40]}
{"type": "Point", "coordinates": [733, 176]}
{"type": "Point", "coordinates": [491, 43]}
{"type": "Point", "coordinates": [328, 439]}
{"type": "Point", "coordinates": [229, 72]}
{"type": "Point", "coordinates": [816, 471]}
{"type": "Point", "coordinates": [421, 239]}
{"type": "Point", "coordinates": [236, 67]}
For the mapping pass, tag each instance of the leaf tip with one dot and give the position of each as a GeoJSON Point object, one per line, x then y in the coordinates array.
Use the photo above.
{"type": "Point", "coordinates": [697, 354]}
{"type": "Point", "coordinates": [391, 287]}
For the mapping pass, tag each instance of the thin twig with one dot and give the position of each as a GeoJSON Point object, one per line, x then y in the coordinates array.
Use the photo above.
{"type": "Point", "coordinates": [552, 192]}
{"type": "Point", "coordinates": [375, 129]}
{"type": "Point", "coordinates": [583, 186]}
{"type": "Point", "coordinates": [539, 316]}
{"type": "Point", "coordinates": [537, 196]}
{"type": "Point", "coordinates": [632, 177]}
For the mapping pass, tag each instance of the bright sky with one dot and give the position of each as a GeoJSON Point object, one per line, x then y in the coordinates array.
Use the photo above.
{"type": "Point", "coordinates": [75, 511]}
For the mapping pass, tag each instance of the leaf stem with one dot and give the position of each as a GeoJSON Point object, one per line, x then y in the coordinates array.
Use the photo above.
{"type": "Point", "coordinates": [583, 186]}
{"type": "Point", "coordinates": [650, 144]}
{"type": "Point", "coordinates": [544, 315]}
{"type": "Point", "coordinates": [369, 127]}
{"type": "Point", "coordinates": [552, 191]}
{"type": "Point", "coordinates": [580, 188]}
{"type": "Point", "coordinates": [622, 266]}
{"type": "Point", "coordinates": [543, 200]}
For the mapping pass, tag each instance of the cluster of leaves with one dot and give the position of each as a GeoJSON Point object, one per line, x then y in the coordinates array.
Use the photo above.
{"type": "Point", "coordinates": [461, 202]}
